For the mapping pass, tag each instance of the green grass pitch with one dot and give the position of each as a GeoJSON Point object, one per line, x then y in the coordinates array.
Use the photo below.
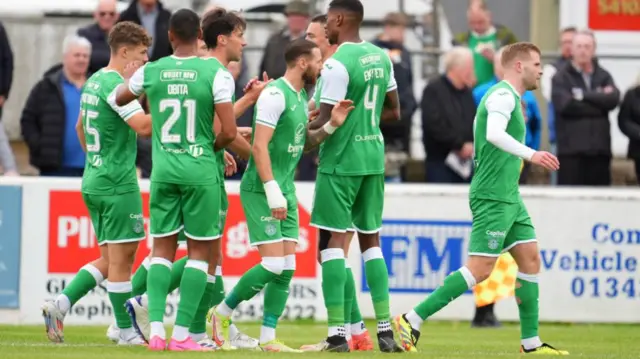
{"type": "Point", "coordinates": [446, 340]}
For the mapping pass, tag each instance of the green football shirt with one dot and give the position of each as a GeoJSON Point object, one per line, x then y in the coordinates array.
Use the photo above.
{"type": "Point", "coordinates": [182, 94]}
{"type": "Point", "coordinates": [110, 167]}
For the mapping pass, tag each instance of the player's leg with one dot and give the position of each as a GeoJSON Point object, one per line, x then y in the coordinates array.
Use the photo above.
{"type": "Point", "coordinates": [333, 199]}
{"type": "Point", "coordinates": [200, 206]}
{"type": "Point", "coordinates": [166, 222]}
{"type": "Point", "coordinates": [360, 338]}
{"type": "Point", "coordinates": [87, 278]}
{"type": "Point", "coordinates": [367, 221]}
{"type": "Point", "coordinates": [139, 278]}
{"type": "Point", "coordinates": [491, 222]}
{"type": "Point", "coordinates": [276, 292]}
{"type": "Point", "coordinates": [521, 242]}
{"type": "Point", "coordinates": [266, 234]}
{"type": "Point", "coordinates": [123, 229]}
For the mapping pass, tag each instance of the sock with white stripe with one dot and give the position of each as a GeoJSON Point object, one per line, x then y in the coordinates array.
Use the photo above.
{"type": "Point", "coordinates": [454, 286]}
{"type": "Point", "coordinates": [119, 292]}
{"type": "Point", "coordinates": [276, 294]}
{"type": "Point", "coordinates": [192, 286]}
{"type": "Point", "coordinates": [527, 293]}
{"type": "Point", "coordinates": [88, 277]}
{"type": "Point", "coordinates": [334, 277]}
{"type": "Point", "coordinates": [158, 288]}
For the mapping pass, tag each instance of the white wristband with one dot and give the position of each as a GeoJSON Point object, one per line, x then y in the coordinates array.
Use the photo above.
{"type": "Point", "coordinates": [328, 128]}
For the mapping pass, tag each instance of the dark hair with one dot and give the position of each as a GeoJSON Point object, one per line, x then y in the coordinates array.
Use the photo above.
{"type": "Point", "coordinates": [127, 33]}
{"type": "Point", "coordinates": [569, 29]}
{"type": "Point", "coordinates": [518, 51]}
{"type": "Point", "coordinates": [353, 6]}
{"type": "Point", "coordinates": [297, 48]}
{"type": "Point", "coordinates": [320, 19]}
{"type": "Point", "coordinates": [185, 24]}
{"type": "Point", "coordinates": [220, 22]}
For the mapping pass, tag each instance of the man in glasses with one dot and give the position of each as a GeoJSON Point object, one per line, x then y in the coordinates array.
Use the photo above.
{"type": "Point", "coordinates": [105, 17]}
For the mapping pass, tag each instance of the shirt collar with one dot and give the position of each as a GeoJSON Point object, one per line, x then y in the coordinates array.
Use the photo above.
{"type": "Point", "coordinates": [512, 88]}
{"type": "Point", "coordinates": [489, 32]}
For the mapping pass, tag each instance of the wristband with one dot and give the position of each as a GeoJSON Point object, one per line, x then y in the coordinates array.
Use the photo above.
{"type": "Point", "coordinates": [328, 128]}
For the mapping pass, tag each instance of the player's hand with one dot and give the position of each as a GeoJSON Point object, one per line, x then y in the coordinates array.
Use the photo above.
{"type": "Point", "coordinates": [340, 112]}
{"type": "Point", "coordinates": [130, 69]}
{"type": "Point", "coordinates": [546, 160]}
{"type": "Point", "coordinates": [276, 201]}
{"type": "Point", "coordinates": [230, 165]}
{"type": "Point", "coordinates": [466, 151]}
{"type": "Point", "coordinates": [245, 132]}
{"type": "Point", "coordinates": [314, 114]}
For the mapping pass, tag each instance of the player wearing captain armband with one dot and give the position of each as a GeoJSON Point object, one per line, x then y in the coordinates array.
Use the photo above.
{"type": "Point", "coordinates": [110, 190]}
{"type": "Point", "coordinates": [268, 193]}
{"type": "Point", "coordinates": [501, 222]}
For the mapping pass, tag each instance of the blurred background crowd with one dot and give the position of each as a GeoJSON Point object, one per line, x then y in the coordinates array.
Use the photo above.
{"type": "Point", "coordinates": [446, 55]}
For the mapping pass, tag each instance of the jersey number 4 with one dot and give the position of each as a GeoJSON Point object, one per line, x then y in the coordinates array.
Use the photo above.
{"type": "Point", "coordinates": [176, 113]}
{"type": "Point", "coordinates": [370, 99]}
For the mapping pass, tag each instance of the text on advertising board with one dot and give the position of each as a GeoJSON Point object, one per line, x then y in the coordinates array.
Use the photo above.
{"type": "Point", "coordinates": [616, 15]}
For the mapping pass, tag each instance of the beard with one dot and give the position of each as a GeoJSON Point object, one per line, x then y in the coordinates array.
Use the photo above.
{"type": "Point", "coordinates": [309, 77]}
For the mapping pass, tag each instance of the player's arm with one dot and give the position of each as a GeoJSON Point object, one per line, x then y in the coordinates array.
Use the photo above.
{"type": "Point", "coordinates": [240, 146]}
{"type": "Point", "coordinates": [80, 132]}
{"type": "Point", "coordinates": [223, 89]}
{"type": "Point", "coordinates": [132, 113]}
{"type": "Point", "coordinates": [335, 80]}
{"type": "Point", "coordinates": [500, 105]}
{"type": "Point", "coordinates": [391, 107]}
{"type": "Point", "coordinates": [131, 89]}
{"type": "Point", "coordinates": [339, 114]}
{"type": "Point", "coordinates": [269, 108]}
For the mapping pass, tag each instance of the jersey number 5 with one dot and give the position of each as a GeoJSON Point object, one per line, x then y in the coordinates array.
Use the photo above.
{"type": "Point", "coordinates": [370, 100]}
{"type": "Point", "coordinates": [88, 117]}
{"type": "Point", "coordinates": [176, 113]}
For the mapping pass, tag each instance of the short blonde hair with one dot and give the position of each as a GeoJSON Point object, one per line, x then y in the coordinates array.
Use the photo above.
{"type": "Point", "coordinates": [518, 51]}
{"type": "Point", "coordinates": [456, 56]}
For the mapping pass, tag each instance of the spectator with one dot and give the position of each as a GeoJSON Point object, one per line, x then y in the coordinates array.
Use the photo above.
{"type": "Point", "coordinates": [448, 111]}
{"type": "Point", "coordinates": [51, 112]}
{"type": "Point", "coordinates": [530, 107]}
{"type": "Point", "coordinates": [583, 94]}
{"type": "Point", "coordinates": [483, 38]}
{"type": "Point", "coordinates": [105, 17]}
{"type": "Point", "coordinates": [629, 123]}
{"type": "Point", "coordinates": [7, 160]}
{"type": "Point", "coordinates": [396, 135]}
{"type": "Point", "coordinates": [297, 20]}
{"type": "Point", "coordinates": [566, 42]}
{"type": "Point", "coordinates": [152, 15]}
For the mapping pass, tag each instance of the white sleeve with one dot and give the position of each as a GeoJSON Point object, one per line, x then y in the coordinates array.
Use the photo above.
{"type": "Point", "coordinates": [224, 87]}
{"type": "Point", "coordinates": [500, 104]}
{"type": "Point", "coordinates": [269, 107]}
{"type": "Point", "coordinates": [545, 82]}
{"type": "Point", "coordinates": [335, 80]}
{"type": "Point", "coordinates": [392, 79]}
{"type": "Point", "coordinates": [127, 111]}
{"type": "Point", "coordinates": [136, 82]}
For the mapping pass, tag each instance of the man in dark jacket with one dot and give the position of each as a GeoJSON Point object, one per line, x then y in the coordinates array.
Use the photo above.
{"type": "Point", "coordinates": [51, 112]}
{"type": "Point", "coordinates": [396, 135]}
{"type": "Point", "coordinates": [273, 58]}
{"type": "Point", "coordinates": [151, 15]}
{"type": "Point", "coordinates": [583, 94]}
{"type": "Point", "coordinates": [448, 110]}
{"type": "Point", "coordinates": [6, 67]}
{"type": "Point", "coordinates": [105, 17]}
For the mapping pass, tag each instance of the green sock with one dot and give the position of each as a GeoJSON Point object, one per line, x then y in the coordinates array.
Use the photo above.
{"type": "Point", "coordinates": [199, 323]}
{"type": "Point", "coordinates": [176, 273]}
{"type": "Point", "coordinates": [276, 294]}
{"type": "Point", "coordinates": [334, 277]}
{"type": "Point", "coordinates": [158, 288]}
{"type": "Point", "coordinates": [119, 292]}
{"type": "Point", "coordinates": [250, 284]}
{"type": "Point", "coordinates": [139, 280]}
{"type": "Point", "coordinates": [218, 291]}
{"type": "Point", "coordinates": [349, 296]}
{"type": "Point", "coordinates": [378, 282]}
{"type": "Point", "coordinates": [356, 316]}
{"type": "Point", "coordinates": [82, 283]}
{"type": "Point", "coordinates": [453, 287]}
{"type": "Point", "coordinates": [192, 287]}
{"type": "Point", "coordinates": [527, 293]}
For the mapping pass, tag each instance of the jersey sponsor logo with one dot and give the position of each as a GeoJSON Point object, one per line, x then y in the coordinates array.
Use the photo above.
{"type": "Point", "coordinates": [421, 253]}
{"type": "Point", "coordinates": [178, 75]}
{"type": "Point", "coordinates": [371, 59]}
{"type": "Point", "coordinates": [193, 150]}
{"type": "Point", "coordinates": [497, 234]}
{"type": "Point", "coordinates": [296, 147]}
{"type": "Point", "coordinates": [91, 85]}
{"type": "Point", "coordinates": [72, 240]}
{"type": "Point", "coordinates": [367, 138]}
{"type": "Point", "coordinates": [96, 161]}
